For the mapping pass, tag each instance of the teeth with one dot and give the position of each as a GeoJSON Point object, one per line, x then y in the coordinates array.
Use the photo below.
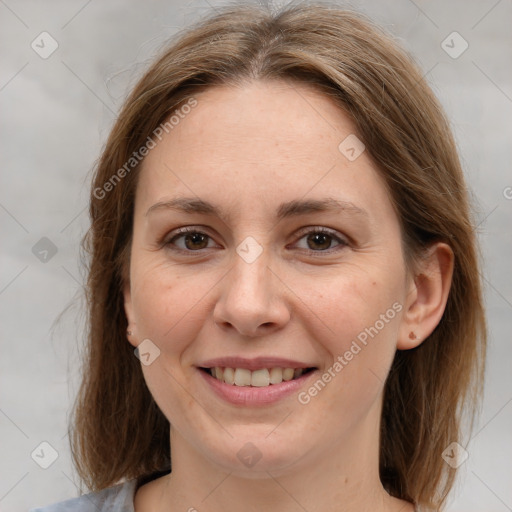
{"type": "Point", "coordinates": [257, 378]}
{"type": "Point", "coordinates": [276, 375]}
{"type": "Point", "coordinates": [260, 378]}
{"type": "Point", "coordinates": [288, 373]}
{"type": "Point", "coordinates": [242, 376]}
{"type": "Point", "coordinates": [229, 375]}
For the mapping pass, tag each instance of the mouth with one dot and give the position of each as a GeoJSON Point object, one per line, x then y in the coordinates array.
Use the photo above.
{"type": "Point", "coordinates": [260, 378]}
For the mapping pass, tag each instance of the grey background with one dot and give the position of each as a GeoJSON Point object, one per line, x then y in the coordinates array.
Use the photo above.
{"type": "Point", "coordinates": [55, 116]}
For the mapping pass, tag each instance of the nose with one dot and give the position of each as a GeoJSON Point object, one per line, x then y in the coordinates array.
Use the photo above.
{"type": "Point", "coordinates": [252, 300]}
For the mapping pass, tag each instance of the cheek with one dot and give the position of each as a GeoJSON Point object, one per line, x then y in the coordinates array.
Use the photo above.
{"type": "Point", "coordinates": [360, 344]}
{"type": "Point", "coordinates": [169, 311]}
{"type": "Point", "coordinates": [167, 305]}
{"type": "Point", "coordinates": [354, 304]}
{"type": "Point", "coordinates": [360, 319]}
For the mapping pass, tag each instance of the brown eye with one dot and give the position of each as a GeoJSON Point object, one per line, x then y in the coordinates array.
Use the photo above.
{"type": "Point", "coordinates": [320, 239]}
{"type": "Point", "coordinates": [190, 241]}
{"type": "Point", "coordinates": [196, 241]}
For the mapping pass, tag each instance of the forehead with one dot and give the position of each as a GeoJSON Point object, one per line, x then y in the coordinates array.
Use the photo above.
{"type": "Point", "coordinates": [263, 114]}
{"type": "Point", "coordinates": [266, 140]}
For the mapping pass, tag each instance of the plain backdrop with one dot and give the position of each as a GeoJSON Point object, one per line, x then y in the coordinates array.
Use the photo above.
{"type": "Point", "coordinates": [55, 116]}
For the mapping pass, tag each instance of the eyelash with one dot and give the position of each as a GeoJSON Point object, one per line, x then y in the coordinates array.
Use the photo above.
{"type": "Point", "coordinates": [181, 232]}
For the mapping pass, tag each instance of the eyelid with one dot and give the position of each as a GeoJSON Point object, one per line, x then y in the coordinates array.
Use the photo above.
{"type": "Point", "coordinates": [322, 229]}
{"type": "Point", "coordinates": [175, 233]}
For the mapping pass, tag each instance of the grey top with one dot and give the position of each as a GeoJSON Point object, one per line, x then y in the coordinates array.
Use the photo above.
{"type": "Point", "coordinates": [114, 499]}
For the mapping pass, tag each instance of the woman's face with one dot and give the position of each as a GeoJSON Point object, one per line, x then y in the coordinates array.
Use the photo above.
{"type": "Point", "coordinates": [292, 260]}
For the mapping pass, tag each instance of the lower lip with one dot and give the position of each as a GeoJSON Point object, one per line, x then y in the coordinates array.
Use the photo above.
{"type": "Point", "coordinates": [255, 396]}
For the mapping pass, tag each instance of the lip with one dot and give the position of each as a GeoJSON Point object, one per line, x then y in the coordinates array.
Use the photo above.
{"type": "Point", "coordinates": [250, 396]}
{"type": "Point", "coordinates": [256, 363]}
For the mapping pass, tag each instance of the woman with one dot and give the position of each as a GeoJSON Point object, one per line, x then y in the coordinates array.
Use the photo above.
{"type": "Point", "coordinates": [281, 235]}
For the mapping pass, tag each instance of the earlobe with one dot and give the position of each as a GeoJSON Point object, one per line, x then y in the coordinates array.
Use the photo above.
{"type": "Point", "coordinates": [427, 296]}
{"type": "Point", "coordinates": [128, 309]}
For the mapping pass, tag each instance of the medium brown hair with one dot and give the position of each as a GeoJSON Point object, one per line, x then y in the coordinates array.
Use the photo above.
{"type": "Point", "coordinates": [118, 431]}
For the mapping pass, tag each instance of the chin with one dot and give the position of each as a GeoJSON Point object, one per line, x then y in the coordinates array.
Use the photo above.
{"type": "Point", "coordinates": [256, 455]}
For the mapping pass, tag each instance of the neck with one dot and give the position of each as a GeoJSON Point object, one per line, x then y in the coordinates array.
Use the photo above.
{"type": "Point", "coordinates": [344, 479]}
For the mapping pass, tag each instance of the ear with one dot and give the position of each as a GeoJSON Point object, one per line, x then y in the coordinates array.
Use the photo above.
{"type": "Point", "coordinates": [130, 317]}
{"type": "Point", "coordinates": [427, 296]}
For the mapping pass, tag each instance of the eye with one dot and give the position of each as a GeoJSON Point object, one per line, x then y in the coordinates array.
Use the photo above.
{"type": "Point", "coordinates": [321, 239]}
{"type": "Point", "coordinates": [190, 240]}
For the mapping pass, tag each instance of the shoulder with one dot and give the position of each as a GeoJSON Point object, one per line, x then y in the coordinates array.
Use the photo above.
{"type": "Point", "coordinates": [118, 498]}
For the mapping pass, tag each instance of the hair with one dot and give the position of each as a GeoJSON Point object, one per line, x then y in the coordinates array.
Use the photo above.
{"type": "Point", "coordinates": [118, 431]}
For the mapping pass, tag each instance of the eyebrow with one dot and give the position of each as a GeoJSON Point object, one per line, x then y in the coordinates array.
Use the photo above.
{"type": "Point", "coordinates": [289, 209]}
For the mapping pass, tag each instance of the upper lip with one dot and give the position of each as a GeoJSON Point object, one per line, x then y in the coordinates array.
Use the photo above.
{"type": "Point", "coordinates": [253, 364]}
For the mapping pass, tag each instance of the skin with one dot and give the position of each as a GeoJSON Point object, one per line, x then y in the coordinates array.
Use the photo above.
{"type": "Point", "coordinates": [247, 149]}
